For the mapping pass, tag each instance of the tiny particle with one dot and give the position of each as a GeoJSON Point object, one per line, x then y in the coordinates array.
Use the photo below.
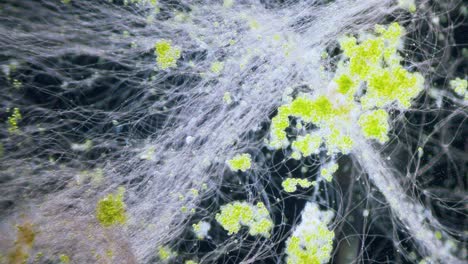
{"type": "Point", "coordinates": [227, 98]}
{"type": "Point", "coordinates": [189, 140]}
{"type": "Point", "coordinates": [365, 213]}
{"type": "Point", "coordinates": [217, 67]}
{"type": "Point", "coordinates": [420, 152]}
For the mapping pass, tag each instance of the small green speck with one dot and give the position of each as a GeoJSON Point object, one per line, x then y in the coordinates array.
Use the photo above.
{"type": "Point", "coordinates": [227, 98]}
{"type": "Point", "coordinates": [194, 192]}
{"type": "Point", "coordinates": [459, 86]}
{"type": "Point", "coordinates": [13, 121]}
{"type": "Point", "coordinates": [217, 67]}
{"type": "Point", "coordinates": [254, 24]}
{"type": "Point", "coordinates": [17, 84]}
{"type": "Point", "coordinates": [327, 171]}
{"type": "Point", "coordinates": [165, 253]}
{"type": "Point", "coordinates": [64, 259]}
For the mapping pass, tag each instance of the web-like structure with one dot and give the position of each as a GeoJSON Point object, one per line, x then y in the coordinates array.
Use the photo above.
{"type": "Point", "coordinates": [235, 131]}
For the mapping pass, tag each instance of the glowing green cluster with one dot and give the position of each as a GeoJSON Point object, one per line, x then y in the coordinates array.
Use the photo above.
{"type": "Point", "coordinates": [374, 124]}
{"type": "Point", "coordinates": [237, 214]}
{"type": "Point", "coordinates": [167, 55]}
{"type": "Point", "coordinates": [165, 253]}
{"type": "Point", "coordinates": [323, 113]}
{"type": "Point", "coordinates": [307, 145]}
{"type": "Point", "coordinates": [13, 121]}
{"type": "Point", "coordinates": [346, 85]}
{"type": "Point", "coordinates": [368, 79]}
{"type": "Point", "coordinates": [290, 184]}
{"type": "Point", "coordinates": [217, 67]}
{"type": "Point", "coordinates": [327, 171]}
{"type": "Point", "coordinates": [227, 98]}
{"type": "Point", "coordinates": [311, 241]}
{"type": "Point", "coordinates": [241, 162]}
{"type": "Point", "coordinates": [459, 86]}
{"type": "Point", "coordinates": [375, 62]}
{"type": "Point", "coordinates": [338, 141]}
{"type": "Point", "coordinates": [110, 210]}
{"type": "Point", "coordinates": [389, 85]}
{"type": "Point", "coordinates": [64, 259]}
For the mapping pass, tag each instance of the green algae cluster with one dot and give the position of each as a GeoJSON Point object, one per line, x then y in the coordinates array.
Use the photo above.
{"type": "Point", "coordinates": [166, 54]}
{"type": "Point", "coordinates": [241, 162]}
{"type": "Point", "coordinates": [459, 86]}
{"type": "Point", "coordinates": [369, 81]}
{"type": "Point", "coordinates": [290, 184]}
{"type": "Point", "coordinates": [13, 121]}
{"type": "Point", "coordinates": [110, 210]}
{"type": "Point", "coordinates": [165, 253]}
{"type": "Point", "coordinates": [237, 214]}
{"type": "Point", "coordinates": [24, 242]}
{"type": "Point", "coordinates": [311, 241]}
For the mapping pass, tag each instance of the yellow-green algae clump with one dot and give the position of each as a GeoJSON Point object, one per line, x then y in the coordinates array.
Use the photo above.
{"type": "Point", "coordinates": [64, 259]}
{"type": "Point", "coordinates": [312, 241]}
{"type": "Point", "coordinates": [237, 214]}
{"type": "Point", "coordinates": [323, 113]}
{"type": "Point", "coordinates": [217, 67]}
{"type": "Point", "coordinates": [327, 171]}
{"type": "Point", "coordinates": [241, 162]}
{"type": "Point", "coordinates": [23, 244]}
{"type": "Point", "coordinates": [290, 184]}
{"type": "Point", "coordinates": [13, 121]}
{"type": "Point", "coordinates": [459, 86]}
{"type": "Point", "coordinates": [165, 253]}
{"type": "Point", "coordinates": [374, 125]}
{"type": "Point", "coordinates": [369, 80]}
{"type": "Point", "coordinates": [376, 62]}
{"type": "Point", "coordinates": [110, 210]}
{"type": "Point", "coordinates": [307, 145]}
{"type": "Point", "coordinates": [167, 55]}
